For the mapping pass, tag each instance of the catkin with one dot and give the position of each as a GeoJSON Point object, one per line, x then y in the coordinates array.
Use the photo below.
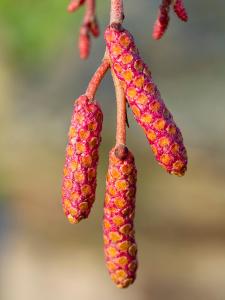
{"type": "Point", "coordinates": [145, 101]}
{"type": "Point", "coordinates": [119, 243]}
{"type": "Point", "coordinates": [180, 10]}
{"type": "Point", "coordinates": [79, 180]}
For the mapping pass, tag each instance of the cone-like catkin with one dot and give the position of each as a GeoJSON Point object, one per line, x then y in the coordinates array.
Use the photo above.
{"type": "Point", "coordinates": [180, 10]}
{"type": "Point", "coordinates": [79, 181]}
{"type": "Point", "coordinates": [119, 243]}
{"type": "Point", "coordinates": [162, 21]}
{"type": "Point", "coordinates": [84, 42]}
{"type": "Point", "coordinates": [145, 101]}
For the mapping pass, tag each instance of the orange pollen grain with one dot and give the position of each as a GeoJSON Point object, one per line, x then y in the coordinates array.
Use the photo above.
{"type": "Point", "coordinates": [164, 142]}
{"type": "Point", "coordinates": [119, 202]}
{"type": "Point", "coordinates": [128, 75]}
{"type": "Point", "coordinates": [121, 185]}
{"type": "Point", "coordinates": [136, 111]}
{"type": "Point", "coordinates": [131, 92]}
{"type": "Point", "coordinates": [165, 159]}
{"type": "Point", "coordinates": [126, 59]}
{"type": "Point", "coordinates": [175, 148]}
{"type": "Point", "coordinates": [118, 220]}
{"type": "Point", "coordinates": [149, 87]}
{"type": "Point", "coordinates": [160, 124]}
{"type": "Point", "coordinates": [118, 67]}
{"type": "Point", "coordinates": [139, 65]}
{"type": "Point", "coordinates": [139, 81]}
{"type": "Point", "coordinates": [84, 134]}
{"type": "Point", "coordinates": [142, 99]}
{"type": "Point", "coordinates": [147, 118]}
{"type": "Point", "coordinates": [86, 190]}
{"type": "Point", "coordinates": [115, 236]}
{"type": "Point", "coordinates": [86, 161]}
{"type": "Point", "coordinates": [116, 49]}
{"type": "Point", "coordinates": [112, 251]}
{"type": "Point", "coordinates": [124, 40]}
{"type": "Point", "coordinates": [80, 148]}
{"type": "Point", "coordinates": [151, 135]}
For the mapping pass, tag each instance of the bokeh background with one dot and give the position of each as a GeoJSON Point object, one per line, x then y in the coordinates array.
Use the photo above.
{"type": "Point", "coordinates": [180, 222]}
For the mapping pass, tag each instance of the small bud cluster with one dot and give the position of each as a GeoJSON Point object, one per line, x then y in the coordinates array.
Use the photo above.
{"type": "Point", "coordinates": [145, 101]}
{"type": "Point", "coordinates": [162, 21]}
{"type": "Point", "coordinates": [89, 27]}
{"type": "Point", "coordinates": [119, 210]}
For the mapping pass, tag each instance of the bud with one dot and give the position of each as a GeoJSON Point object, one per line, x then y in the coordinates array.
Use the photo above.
{"type": "Point", "coordinates": [145, 101]}
{"type": "Point", "coordinates": [180, 10]}
{"type": "Point", "coordinates": [94, 27]}
{"type": "Point", "coordinates": [79, 181]}
{"type": "Point", "coordinates": [84, 42]}
{"type": "Point", "coordinates": [161, 23]}
{"type": "Point", "coordinates": [119, 243]}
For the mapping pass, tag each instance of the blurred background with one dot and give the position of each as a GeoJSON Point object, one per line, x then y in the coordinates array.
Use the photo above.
{"type": "Point", "coordinates": [180, 222]}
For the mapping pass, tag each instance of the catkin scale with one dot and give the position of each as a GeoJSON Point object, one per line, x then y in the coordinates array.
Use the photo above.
{"type": "Point", "coordinates": [119, 243]}
{"type": "Point", "coordinates": [145, 101]}
{"type": "Point", "coordinates": [79, 178]}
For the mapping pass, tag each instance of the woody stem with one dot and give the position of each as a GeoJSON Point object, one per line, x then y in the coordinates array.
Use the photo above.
{"type": "Point", "coordinates": [97, 78]}
{"type": "Point", "coordinates": [117, 14]}
{"type": "Point", "coordinates": [121, 112]}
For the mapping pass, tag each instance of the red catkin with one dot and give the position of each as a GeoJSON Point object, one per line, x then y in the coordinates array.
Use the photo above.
{"type": "Point", "coordinates": [145, 101]}
{"type": "Point", "coordinates": [84, 43]}
{"type": "Point", "coordinates": [162, 21]}
{"type": "Point", "coordinates": [180, 10]}
{"type": "Point", "coordinates": [119, 243]}
{"type": "Point", "coordinates": [79, 179]}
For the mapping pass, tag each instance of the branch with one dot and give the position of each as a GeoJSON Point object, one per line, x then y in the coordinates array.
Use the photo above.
{"type": "Point", "coordinates": [121, 112]}
{"type": "Point", "coordinates": [117, 12]}
{"type": "Point", "coordinates": [97, 78]}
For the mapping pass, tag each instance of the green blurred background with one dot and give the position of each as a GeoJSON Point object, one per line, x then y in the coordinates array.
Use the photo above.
{"type": "Point", "coordinates": [180, 223]}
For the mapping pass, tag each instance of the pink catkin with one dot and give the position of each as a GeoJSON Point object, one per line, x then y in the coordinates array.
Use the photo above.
{"type": "Point", "coordinates": [79, 181]}
{"type": "Point", "coordinates": [162, 21]}
{"type": "Point", "coordinates": [180, 10]}
{"type": "Point", "coordinates": [84, 43]}
{"type": "Point", "coordinates": [94, 28]}
{"type": "Point", "coordinates": [145, 101]}
{"type": "Point", "coordinates": [119, 243]}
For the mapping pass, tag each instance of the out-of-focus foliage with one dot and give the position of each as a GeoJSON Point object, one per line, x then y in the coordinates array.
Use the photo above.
{"type": "Point", "coordinates": [32, 29]}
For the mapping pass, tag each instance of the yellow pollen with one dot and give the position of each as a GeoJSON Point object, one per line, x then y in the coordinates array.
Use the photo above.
{"type": "Point", "coordinates": [122, 260]}
{"type": "Point", "coordinates": [111, 266]}
{"type": "Point", "coordinates": [178, 165]}
{"type": "Point", "coordinates": [84, 134]}
{"type": "Point", "coordinates": [160, 124]}
{"type": "Point", "coordinates": [68, 184]}
{"type": "Point", "coordinates": [147, 118]}
{"type": "Point", "coordinates": [75, 196]}
{"type": "Point", "coordinates": [124, 245]}
{"type": "Point", "coordinates": [124, 40]}
{"type": "Point", "coordinates": [86, 190]}
{"type": "Point", "coordinates": [139, 81]}
{"type": "Point", "coordinates": [115, 237]}
{"type": "Point", "coordinates": [151, 135]}
{"type": "Point", "coordinates": [67, 204]}
{"type": "Point", "coordinates": [73, 165]}
{"type": "Point", "coordinates": [91, 174]}
{"type": "Point", "coordinates": [165, 159]}
{"type": "Point", "coordinates": [79, 177]}
{"type": "Point", "coordinates": [112, 191]}
{"type": "Point", "coordinates": [131, 92]}
{"type": "Point", "coordinates": [115, 173]}
{"type": "Point", "coordinates": [118, 68]}
{"type": "Point", "coordinates": [121, 185]}
{"type": "Point", "coordinates": [118, 220]}
{"type": "Point", "coordinates": [72, 132]}
{"type": "Point", "coordinates": [112, 251]}
{"type": "Point", "coordinates": [142, 99]}
{"type": "Point", "coordinates": [136, 111]}
{"type": "Point", "coordinates": [164, 142]}
{"type": "Point", "coordinates": [121, 274]}
{"type": "Point", "coordinates": [73, 211]}
{"type": "Point", "coordinates": [119, 202]}
{"type": "Point", "coordinates": [116, 49]}
{"type": "Point", "coordinates": [106, 224]}
{"type": "Point", "coordinates": [128, 75]}
{"type": "Point", "coordinates": [127, 58]}
{"type": "Point", "coordinates": [71, 219]}
{"type": "Point", "coordinates": [70, 151]}
{"type": "Point", "coordinates": [155, 106]}
{"type": "Point", "coordinates": [149, 87]}
{"type": "Point", "coordinates": [80, 148]}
